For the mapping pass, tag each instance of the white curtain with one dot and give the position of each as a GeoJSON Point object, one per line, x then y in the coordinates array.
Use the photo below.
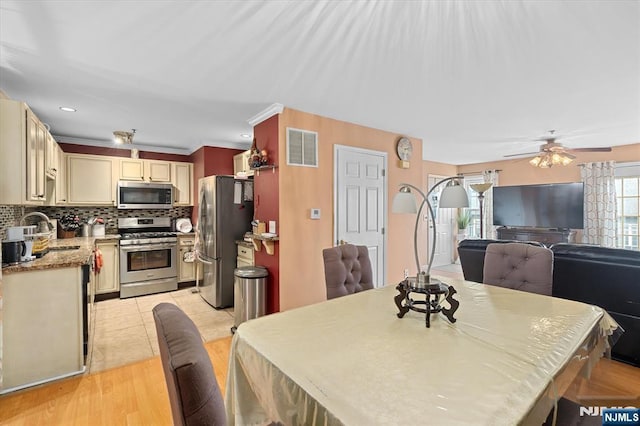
{"type": "Point", "coordinates": [599, 203]}
{"type": "Point", "coordinates": [489, 229]}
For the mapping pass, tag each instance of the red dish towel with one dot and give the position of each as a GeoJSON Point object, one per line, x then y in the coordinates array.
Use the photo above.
{"type": "Point", "coordinates": [98, 260]}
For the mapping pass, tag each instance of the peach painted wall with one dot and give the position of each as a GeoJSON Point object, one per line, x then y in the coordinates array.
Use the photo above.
{"type": "Point", "coordinates": [303, 188]}
{"type": "Point", "coordinates": [520, 172]}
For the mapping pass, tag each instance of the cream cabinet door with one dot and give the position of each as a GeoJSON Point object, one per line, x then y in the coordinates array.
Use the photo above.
{"type": "Point", "coordinates": [51, 154]}
{"type": "Point", "coordinates": [36, 134]}
{"type": "Point", "coordinates": [186, 270]}
{"type": "Point", "coordinates": [90, 180]}
{"type": "Point", "coordinates": [131, 169]}
{"type": "Point", "coordinates": [241, 164]}
{"type": "Point", "coordinates": [61, 177]}
{"type": "Point", "coordinates": [183, 184]}
{"type": "Point", "coordinates": [158, 171]}
{"type": "Point", "coordinates": [108, 279]}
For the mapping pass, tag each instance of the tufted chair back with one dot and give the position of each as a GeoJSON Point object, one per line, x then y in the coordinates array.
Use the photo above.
{"type": "Point", "coordinates": [520, 267]}
{"type": "Point", "coordinates": [194, 393]}
{"type": "Point", "coordinates": [347, 270]}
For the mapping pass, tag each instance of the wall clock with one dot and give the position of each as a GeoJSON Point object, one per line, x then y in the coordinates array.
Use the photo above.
{"type": "Point", "coordinates": [404, 149]}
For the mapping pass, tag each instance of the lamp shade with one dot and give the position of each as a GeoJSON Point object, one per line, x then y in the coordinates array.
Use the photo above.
{"type": "Point", "coordinates": [453, 196]}
{"type": "Point", "coordinates": [404, 202]}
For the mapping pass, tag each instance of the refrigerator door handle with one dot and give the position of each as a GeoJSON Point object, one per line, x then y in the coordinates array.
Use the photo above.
{"type": "Point", "coordinates": [200, 259]}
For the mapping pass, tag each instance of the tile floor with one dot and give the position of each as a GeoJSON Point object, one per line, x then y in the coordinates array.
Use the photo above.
{"type": "Point", "coordinates": [124, 330]}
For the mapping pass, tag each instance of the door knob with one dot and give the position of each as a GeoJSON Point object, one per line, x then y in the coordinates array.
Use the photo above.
{"type": "Point", "coordinates": [343, 242]}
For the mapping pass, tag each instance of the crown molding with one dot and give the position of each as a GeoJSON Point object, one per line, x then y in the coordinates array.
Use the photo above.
{"type": "Point", "coordinates": [108, 143]}
{"type": "Point", "coordinates": [268, 112]}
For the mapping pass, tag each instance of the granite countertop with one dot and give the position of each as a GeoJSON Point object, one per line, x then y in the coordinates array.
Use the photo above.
{"type": "Point", "coordinates": [243, 243]}
{"type": "Point", "coordinates": [61, 258]}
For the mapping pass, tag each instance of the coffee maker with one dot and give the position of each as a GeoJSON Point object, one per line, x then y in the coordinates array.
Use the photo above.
{"type": "Point", "coordinates": [26, 234]}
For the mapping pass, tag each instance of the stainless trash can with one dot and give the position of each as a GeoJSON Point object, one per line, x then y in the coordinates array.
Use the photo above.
{"type": "Point", "coordinates": [249, 294]}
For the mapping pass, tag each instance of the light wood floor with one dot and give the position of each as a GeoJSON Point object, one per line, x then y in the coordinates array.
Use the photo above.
{"type": "Point", "coordinates": [135, 394]}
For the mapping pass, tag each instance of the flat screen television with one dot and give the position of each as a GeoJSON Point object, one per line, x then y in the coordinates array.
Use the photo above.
{"type": "Point", "coordinates": [556, 206]}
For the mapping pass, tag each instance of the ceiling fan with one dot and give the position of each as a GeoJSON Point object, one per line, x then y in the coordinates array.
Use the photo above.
{"type": "Point", "coordinates": [552, 153]}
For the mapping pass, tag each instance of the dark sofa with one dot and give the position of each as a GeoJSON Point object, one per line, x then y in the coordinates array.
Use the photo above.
{"type": "Point", "coordinates": [606, 277]}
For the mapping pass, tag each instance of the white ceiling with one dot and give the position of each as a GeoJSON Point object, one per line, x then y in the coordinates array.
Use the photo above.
{"type": "Point", "coordinates": [474, 79]}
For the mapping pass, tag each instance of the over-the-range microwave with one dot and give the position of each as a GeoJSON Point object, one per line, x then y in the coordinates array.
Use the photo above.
{"type": "Point", "coordinates": [144, 195]}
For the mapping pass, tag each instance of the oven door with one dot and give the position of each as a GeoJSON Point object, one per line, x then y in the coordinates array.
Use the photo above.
{"type": "Point", "coordinates": [147, 262]}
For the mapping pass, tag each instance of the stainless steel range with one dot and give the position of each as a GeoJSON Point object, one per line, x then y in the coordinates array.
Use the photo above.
{"type": "Point", "coordinates": [147, 256]}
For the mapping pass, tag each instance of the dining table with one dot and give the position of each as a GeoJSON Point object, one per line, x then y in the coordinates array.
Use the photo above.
{"type": "Point", "coordinates": [506, 358]}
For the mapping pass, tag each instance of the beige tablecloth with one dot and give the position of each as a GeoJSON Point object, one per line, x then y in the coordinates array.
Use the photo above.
{"type": "Point", "coordinates": [352, 361]}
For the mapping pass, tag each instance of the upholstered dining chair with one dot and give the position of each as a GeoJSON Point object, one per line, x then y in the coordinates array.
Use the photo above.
{"type": "Point", "coordinates": [347, 270]}
{"type": "Point", "coordinates": [520, 267]}
{"type": "Point", "coordinates": [472, 251]}
{"type": "Point", "coordinates": [194, 393]}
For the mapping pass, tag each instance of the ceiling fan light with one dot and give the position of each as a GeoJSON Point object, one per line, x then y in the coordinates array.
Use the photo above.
{"type": "Point", "coordinates": [566, 160]}
{"type": "Point", "coordinates": [546, 162]}
{"type": "Point", "coordinates": [556, 158]}
{"type": "Point", "coordinates": [121, 137]}
{"type": "Point", "coordinates": [535, 161]}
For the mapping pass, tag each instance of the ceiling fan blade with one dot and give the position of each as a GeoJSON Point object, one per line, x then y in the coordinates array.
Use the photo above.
{"type": "Point", "coordinates": [603, 149]}
{"type": "Point", "coordinates": [521, 154]}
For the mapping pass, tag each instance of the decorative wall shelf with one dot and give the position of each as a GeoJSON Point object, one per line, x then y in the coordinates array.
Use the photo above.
{"type": "Point", "coordinates": [264, 167]}
{"type": "Point", "coordinates": [267, 242]}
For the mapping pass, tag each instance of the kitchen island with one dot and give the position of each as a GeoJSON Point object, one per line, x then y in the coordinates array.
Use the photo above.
{"type": "Point", "coordinates": [46, 315]}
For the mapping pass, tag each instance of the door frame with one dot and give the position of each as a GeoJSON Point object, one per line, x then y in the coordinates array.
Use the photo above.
{"type": "Point", "coordinates": [385, 198]}
{"type": "Point", "coordinates": [451, 257]}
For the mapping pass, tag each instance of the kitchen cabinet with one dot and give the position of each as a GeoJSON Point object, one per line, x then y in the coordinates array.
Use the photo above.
{"type": "Point", "coordinates": [42, 335]}
{"type": "Point", "coordinates": [22, 155]}
{"type": "Point", "coordinates": [245, 255]}
{"type": "Point", "coordinates": [108, 279]}
{"type": "Point", "coordinates": [90, 180]}
{"type": "Point", "coordinates": [51, 157]}
{"type": "Point", "coordinates": [61, 177]}
{"type": "Point", "coordinates": [241, 164]}
{"type": "Point", "coordinates": [131, 169]}
{"type": "Point", "coordinates": [187, 270]}
{"type": "Point", "coordinates": [182, 184]}
{"type": "Point", "coordinates": [145, 170]}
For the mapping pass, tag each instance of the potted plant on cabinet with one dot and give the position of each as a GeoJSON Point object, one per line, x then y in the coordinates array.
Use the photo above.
{"type": "Point", "coordinates": [463, 219]}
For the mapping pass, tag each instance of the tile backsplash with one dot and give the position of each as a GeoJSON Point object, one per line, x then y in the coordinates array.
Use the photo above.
{"type": "Point", "coordinates": [10, 215]}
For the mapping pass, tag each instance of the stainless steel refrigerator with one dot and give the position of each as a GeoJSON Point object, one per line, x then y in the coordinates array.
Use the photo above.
{"type": "Point", "coordinates": [225, 212]}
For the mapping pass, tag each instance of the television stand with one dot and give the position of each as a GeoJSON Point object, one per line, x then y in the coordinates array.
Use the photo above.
{"type": "Point", "coordinates": [545, 236]}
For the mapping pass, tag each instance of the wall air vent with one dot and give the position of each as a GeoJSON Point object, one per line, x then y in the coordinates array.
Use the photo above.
{"type": "Point", "coordinates": [302, 148]}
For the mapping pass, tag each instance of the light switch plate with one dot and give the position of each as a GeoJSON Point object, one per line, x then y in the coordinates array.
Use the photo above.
{"type": "Point", "coordinates": [315, 213]}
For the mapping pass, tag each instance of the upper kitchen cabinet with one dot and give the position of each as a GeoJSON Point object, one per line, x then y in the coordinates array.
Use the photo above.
{"type": "Point", "coordinates": [61, 177]}
{"type": "Point", "coordinates": [182, 184]}
{"type": "Point", "coordinates": [90, 180]}
{"type": "Point", "coordinates": [241, 164]}
{"type": "Point", "coordinates": [22, 155]}
{"type": "Point", "coordinates": [51, 157]}
{"type": "Point", "coordinates": [145, 170]}
{"type": "Point", "coordinates": [131, 169]}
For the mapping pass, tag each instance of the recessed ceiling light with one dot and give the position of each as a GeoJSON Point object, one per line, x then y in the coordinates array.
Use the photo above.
{"type": "Point", "coordinates": [67, 109]}
{"type": "Point", "coordinates": [245, 135]}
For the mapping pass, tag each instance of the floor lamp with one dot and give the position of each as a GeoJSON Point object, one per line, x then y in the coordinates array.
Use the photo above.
{"type": "Point", "coordinates": [481, 188]}
{"type": "Point", "coordinates": [452, 196]}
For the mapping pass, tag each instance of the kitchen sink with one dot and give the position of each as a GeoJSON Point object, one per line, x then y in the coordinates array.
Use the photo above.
{"type": "Point", "coordinates": [63, 248]}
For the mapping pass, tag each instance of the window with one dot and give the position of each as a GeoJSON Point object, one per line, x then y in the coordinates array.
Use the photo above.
{"type": "Point", "coordinates": [628, 205]}
{"type": "Point", "coordinates": [473, 230]}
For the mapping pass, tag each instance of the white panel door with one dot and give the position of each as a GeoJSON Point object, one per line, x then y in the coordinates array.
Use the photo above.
{"type": "Point", "coordinates": [360, 203]}
{"type": "Point", "coordinates": [444, 226]}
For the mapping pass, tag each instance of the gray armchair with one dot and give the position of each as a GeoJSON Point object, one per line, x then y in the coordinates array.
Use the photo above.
{"type": "Point", "coordinates": [347, 270]}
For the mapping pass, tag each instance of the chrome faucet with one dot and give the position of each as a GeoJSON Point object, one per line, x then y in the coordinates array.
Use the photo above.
{"type": "Point", "coordinates": [42, 215]}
